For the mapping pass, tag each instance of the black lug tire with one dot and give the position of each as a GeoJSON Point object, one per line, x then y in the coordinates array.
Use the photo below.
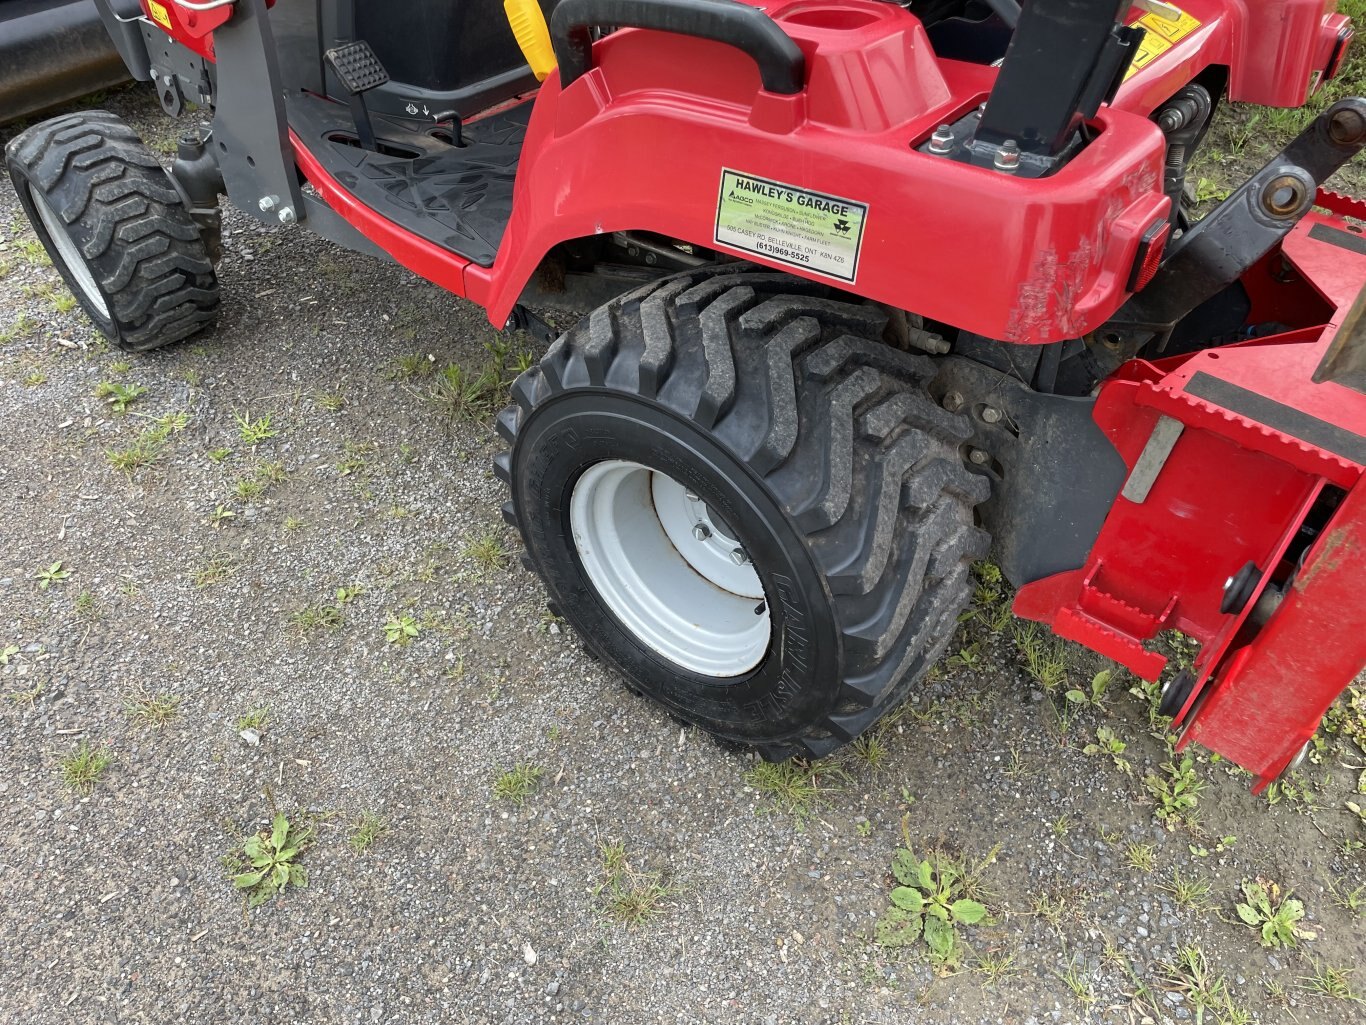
{"type": "Point", "coordinates": [126, 219]}
{"type": "Point", "coordinates": [774, 398]}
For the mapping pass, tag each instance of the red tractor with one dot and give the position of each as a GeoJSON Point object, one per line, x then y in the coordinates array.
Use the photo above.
{"type": "Point", "coordinates": [897, 286]}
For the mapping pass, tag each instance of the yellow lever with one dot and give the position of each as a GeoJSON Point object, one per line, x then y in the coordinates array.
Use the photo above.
{"type": "Point", "coordinates": [528, 25]}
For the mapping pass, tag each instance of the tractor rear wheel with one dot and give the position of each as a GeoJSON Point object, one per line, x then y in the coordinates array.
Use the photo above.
{"type": "Point", "coordinates": [746, 503]}
{"type": "Point", "coordinates": [115, 228]}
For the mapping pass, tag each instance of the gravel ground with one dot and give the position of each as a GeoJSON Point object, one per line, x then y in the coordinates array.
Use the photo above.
{"type": "Point", "coordinates": [472, 907]}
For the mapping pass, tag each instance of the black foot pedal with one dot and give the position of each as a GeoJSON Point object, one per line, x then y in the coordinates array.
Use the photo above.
{"type": "Point", "coordinates": [359, 71]}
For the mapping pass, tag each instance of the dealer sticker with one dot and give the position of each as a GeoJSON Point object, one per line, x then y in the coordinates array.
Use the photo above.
{"type": "Point", "coordinates": [794, 226]}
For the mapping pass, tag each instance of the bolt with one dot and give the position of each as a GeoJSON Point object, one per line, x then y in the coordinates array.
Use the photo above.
{"type": "Point", "coordinates": [287, 215]}
{"type": "Point", "coordinates": [739, 556]}
{"type": "Point", "coordinates": [268, 203]}
{"type": "Point", "coordinates": [1008, 157]}
{"type": "Point", "coordinates": [1171, 119]}
{"type": "Point", "coordinates": [991, 415]}
{"type": "Point", "coordinates": [978, 456]}
{"type": "Point", "coordinates": [942, 139]}
{"type": "Point", "coordinates": [953, 401]}
{"type": "Point", "coordinates": [1228, 583]}
{"type": "Point", "coordinates": [701, 532]}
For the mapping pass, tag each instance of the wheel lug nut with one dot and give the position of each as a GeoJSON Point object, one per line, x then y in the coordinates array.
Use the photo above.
{"type": "Point", "coordinates": [739, 556]}
{"type": "Point", "coordinates": [978, 456]}
{"type": "Point", "coordinates": [701, 532]}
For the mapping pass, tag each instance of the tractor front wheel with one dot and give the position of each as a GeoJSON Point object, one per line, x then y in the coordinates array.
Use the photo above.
{"type": "Point", "coordinates": [746, 503]}
{"type": "Point", "coordinates": [115, 228]}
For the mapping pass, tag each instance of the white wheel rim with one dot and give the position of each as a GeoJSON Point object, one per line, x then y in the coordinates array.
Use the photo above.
{"type": "Point", "coordinates": [668, 570]}
{"type": "Point", "coordinates": [71, 256]}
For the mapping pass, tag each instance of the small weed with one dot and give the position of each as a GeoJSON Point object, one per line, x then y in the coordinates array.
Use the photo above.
{"type": "Point", "coordinates": [82, 769]}
{"type": "Point", "coordinates": [248, 489]}
{"type": "Point", "coordinates": [1189, 891]}
{"type": "Point", "coordinates": [931, 901]}
{"type": "Point", "coordinates": [1276, 916]}
{"type": "Point", "coordinates": [1094, 696]}
{"type": "Point", "coordinates": [1349, 900]}
{"type": "Point", "coordinates": [268, 861]}
{"type": "Point", "coordinates": [1220, 845]}
{"type": "Point", "coordinates": [19, 329]}
{"type": "Point", "coordinates": [217, 455]}
{"type": "Point", "coordinates": [215, 571]}
{"type": "Point", "coordinates": [330, 401]}
{"type": "Point", "coordinates": [292, 523]}
{"type": "Point", "coordinates": [1053, 908]}
{"type": "Point", "coordinates": [1190, 974]}
{"type": "Point", "coordinates": [271, 473]}
{"type": "Point", "coordinates": [870, 750]}
{"type": "Point", "coordinates": [996, 967]}
{"type": "Point", "coordinates": [517, 783]}
{"type": "Point", "coordinates": [253, 431]}
{"type": "Point", "coordinates": [1062, 826]}
{"type": "Point", "coordinates": [488, 550]}
{"type": "Point", "coordinates": [86, 604]}
{"type": "Point", "coordinates": [1329, 981]}
{"type": "Point", "coordinates": [348, 592]}
{"type": "Point", "coordinates": [152, 710]}
{"type": "Point", "coordinates": [1044, 657]}
{"type": "Point", "coordinates": [794, 786]}
{"type": "Point", "coordinates": [121, 366]}
{"type": "Point", "coordinates": [317, 617]}
{"type": "Point", "coordinates": [119, 396]}
{"type": "Point", "coordinates": [630, 897]}
{"type": "Point", "coordinates": [367, 829]}
{"type": "Point", "coordinates": [1141, 856]}
{"type": "Point", "coordinates": [34, 379]}
{"type": "Point", "coordinates": [1017, 768]}
{"type": "Point", "coordinates": [32, 251]}
{"type": "Point", "coordinates": [1207, 190]}
{"type": "Point", "coordinates": [7, 652]}
{"type": "Point", "coordinates": [54, 574]}
{"type": "Point", "coordinates": [1108, 743]}
{"type": "Point", "coordinates": [148, 446]}
{"type": "Point", "coordinates": [967, 657]}
{"type": "Point", "coordinates": [1175, 793]}
{"type": "Point", "coordinates": [257, 719]}
{"type": "Point", "coordinates": [220, 515]}
{"type": "Point", "coordinates": [400, 629]}
{"type": "Point", "coordinates": [1079, 982]}
{"type": "Point", "coordinates": [354, 458]}
{"type": "Point", "coordinates": [411, 364]}
{"type": "Point", "coordinates": [474, 394]}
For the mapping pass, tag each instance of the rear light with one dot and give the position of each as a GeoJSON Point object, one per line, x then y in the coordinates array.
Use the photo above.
{"type": "Point", "coordinates": [1150, 249]}
{"type": "Point", "coordinates": [1335, 62]}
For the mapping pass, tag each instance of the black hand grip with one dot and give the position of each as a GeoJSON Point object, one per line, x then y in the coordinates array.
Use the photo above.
{"type": "Point", "coordinates": [781, 64]}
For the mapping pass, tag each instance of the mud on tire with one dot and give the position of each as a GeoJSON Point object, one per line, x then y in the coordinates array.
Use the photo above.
{"type": "Point", "coordinates": [775, 403]}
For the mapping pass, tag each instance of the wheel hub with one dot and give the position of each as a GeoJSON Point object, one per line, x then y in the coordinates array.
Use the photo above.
{"type": "Point", "coordinates": [671, 570]}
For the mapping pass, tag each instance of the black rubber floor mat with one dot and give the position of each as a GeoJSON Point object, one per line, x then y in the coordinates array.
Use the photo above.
{"type": "Point", "coordinates": [457, 197]}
